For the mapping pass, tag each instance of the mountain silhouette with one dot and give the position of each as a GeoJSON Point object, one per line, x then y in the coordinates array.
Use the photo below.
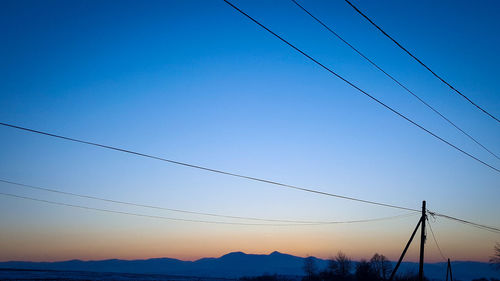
{"type": "Point", "coordinates": [239, 264]}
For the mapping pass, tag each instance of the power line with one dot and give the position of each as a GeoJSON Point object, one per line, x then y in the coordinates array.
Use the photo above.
{"type": "Point", "coordinates": [394, 79]}
{"type": "Point", "coordinates": [433, 214]}
{"type": "Point", "coordinates": [132, 214]}
{"type": "Point", "coordinates": [209, 169]}
{"type": "Point", "coordinates": [435, 240]}
{"type": "Point", "coordinates": [183, 211]}
{"type": "Point", "coordinates": [477, 225]}
{"type": "Point", "coordinates": [190, 220]}
{"type": "Point", "coordinates": [146, 206]}
{"type": "Point", "coordinates": [359, 89]}
{"type": "Point", "coordinates": [420, 62]}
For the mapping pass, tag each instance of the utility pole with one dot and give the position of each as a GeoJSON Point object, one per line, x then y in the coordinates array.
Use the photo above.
{"type": "Point", "coordinates": [422, 243]}
{"type": "Point", "coordinates": [421, 223]}
{"type": "Point", "coordinates": [393, 273]}
{"type": "Point", "coordinates": [448, 270]}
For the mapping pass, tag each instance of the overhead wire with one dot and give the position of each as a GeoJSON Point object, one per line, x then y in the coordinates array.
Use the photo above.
{"type": "Point", "coordinates": [197, 221]}
{"type": "Point", "coordinates": [435, 240]}
{"type": "Point", "coordinates": [420, 62]}
{"type": "Point", "coordinates": [145, 205]}
{"type": "Point", "coordinates": [172, 209]}
{"type": "Point", "coordinates": [359, 89]}
{"type": "Point", "coordinates": [433, 214]}
{"type": "Point", "coordinates": [129, 213]}
{"type": "Point", "coordinates": [268, 181]}
{"type": "Point", "coordinates": [393, 78]}
{"type": "Point", "coordinates": [254, 178]}
{"type": "Point", "coordinates": [477, 225]}
{"type": "Point", "coordinates": [209, 169]}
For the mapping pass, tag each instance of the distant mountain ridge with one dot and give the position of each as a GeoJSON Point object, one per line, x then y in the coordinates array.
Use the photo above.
{"type": "Point", "coordinates": [239, 264]}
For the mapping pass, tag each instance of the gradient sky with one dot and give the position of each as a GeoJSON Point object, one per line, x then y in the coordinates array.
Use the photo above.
{"type": "Point", "coordinates": [195, 81]}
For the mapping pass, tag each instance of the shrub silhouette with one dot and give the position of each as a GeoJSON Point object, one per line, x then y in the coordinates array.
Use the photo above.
{"type": "Point", "coordinates": [495, 259]}
{"type": "Point", "coordinates": [382, 267]}
{"type": "Point", "coordinates": [365, 271]}
{"type": "Point", "coordinates": [340, 269]}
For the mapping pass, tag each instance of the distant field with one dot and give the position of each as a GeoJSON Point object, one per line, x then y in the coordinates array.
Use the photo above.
{"type": "Point", "coordinates": [31, 274]}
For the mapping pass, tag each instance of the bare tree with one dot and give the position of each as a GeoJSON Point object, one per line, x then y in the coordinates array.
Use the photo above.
{"type": "Point", "coordinates": [381, 265]}
{"type": "Point", "coordinates": [344, 264]}
{"type": "Point", "coordinates": [309, 267]}
{"type": "Point", "coordinates": [332, 265]}
{"type": "Point", "coordinates": [365, 272]}
{"type": "Point", "coordinates": [495, 259]}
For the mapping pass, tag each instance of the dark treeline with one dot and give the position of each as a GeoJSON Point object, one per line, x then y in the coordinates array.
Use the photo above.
{"type": "Point", "coordinates": [341, 268]}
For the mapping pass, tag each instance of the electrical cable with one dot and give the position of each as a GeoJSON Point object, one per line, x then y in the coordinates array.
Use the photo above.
{"type": "Point", "coordinates": [420, 62]}
{"type": "Point", "coordinates": [395, 80]}
{"type": "Point", "coordinates": [177, 210]}
{"type": "Point", "coordinates": [361, 90]}
{"type": "Point", "coordinates": [191, 220]}
{"type": "Point", "coordinates": [477, 225]}
{"type": "Point", "coordinates": [435, 240]}
{"type": "Point", "coordinates": [209, 169]}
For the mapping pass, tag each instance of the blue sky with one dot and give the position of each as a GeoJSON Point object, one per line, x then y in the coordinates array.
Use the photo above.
{"type": "Point", "coordinates": [197, 82]}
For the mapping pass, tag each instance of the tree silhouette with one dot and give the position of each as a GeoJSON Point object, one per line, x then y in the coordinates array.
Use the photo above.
{"type": "Point", "coordinates": [495, 259]}
{"type": "Point", "coordinates": [343, 265]}
{"type": "Point", "coordinates": [365, 272]}
{"type": "Point", "coordinates": [332, 265]}
{"type": "Point", "coordinates": [381, 266]}
{"type": "Point", "coordinates": [309, 268]}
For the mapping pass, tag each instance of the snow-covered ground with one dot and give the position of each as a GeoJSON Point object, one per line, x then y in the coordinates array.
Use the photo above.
{"type": "Point", "coordinates": [21, 274]}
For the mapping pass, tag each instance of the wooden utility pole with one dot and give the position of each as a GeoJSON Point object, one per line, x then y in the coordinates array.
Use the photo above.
{"type": "Point", "coordinates": [421, 223]}
{"type": "Point", "coordinates": [393, 273]}
{"type": "Point", "coordinates": [448, 271]}
{"type": "Point", "coordinates": [422, 243]}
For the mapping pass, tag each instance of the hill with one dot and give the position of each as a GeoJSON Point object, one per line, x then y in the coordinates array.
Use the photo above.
{"type": "Point", "coordinates": [238, 264]}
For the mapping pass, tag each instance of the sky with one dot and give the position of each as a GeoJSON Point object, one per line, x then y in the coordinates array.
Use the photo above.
{"type": "Point", "coordinates": [197, 82]}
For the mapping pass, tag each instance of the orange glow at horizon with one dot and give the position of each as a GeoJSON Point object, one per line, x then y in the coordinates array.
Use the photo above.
{"type": "Point", "coordinates": [197, 243]}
